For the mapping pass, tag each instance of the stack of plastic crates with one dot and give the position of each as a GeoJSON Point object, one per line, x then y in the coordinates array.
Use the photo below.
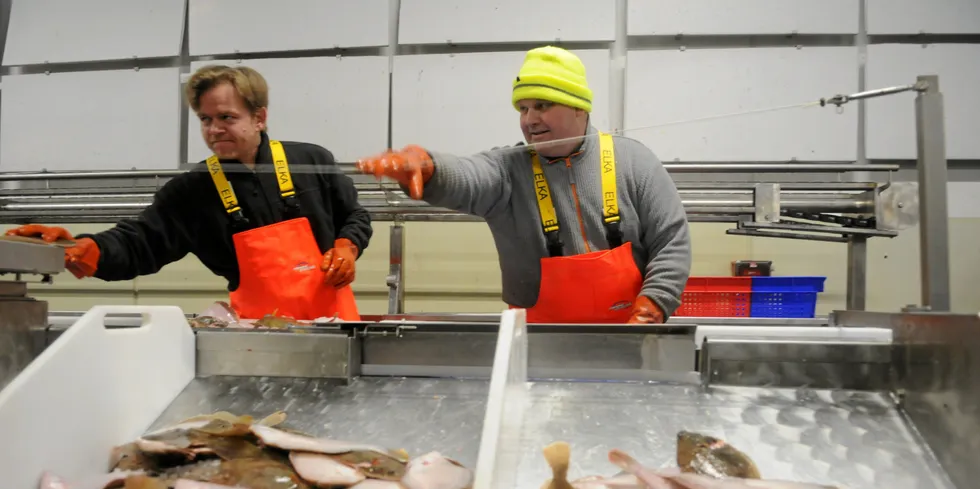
{"type": "Point", "coordinates": [779, 297]}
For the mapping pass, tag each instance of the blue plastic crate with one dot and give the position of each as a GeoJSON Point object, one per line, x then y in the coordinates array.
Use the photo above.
{"type": "Point", "coordinates": [785, 297]}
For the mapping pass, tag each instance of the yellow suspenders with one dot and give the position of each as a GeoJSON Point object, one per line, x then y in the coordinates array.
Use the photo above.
{"type": "Point", "coordinates": [283, 178]}
{"type": "Point", "coordinates": [610, 202]}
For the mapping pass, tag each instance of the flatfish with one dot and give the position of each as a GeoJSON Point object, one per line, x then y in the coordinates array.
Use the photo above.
{"type": "Point", "coordinates": [253, 473]}
{"type": "Point", "coordinates": [706, 455]}
{"type": "Point", "coordinates": [675, 478]}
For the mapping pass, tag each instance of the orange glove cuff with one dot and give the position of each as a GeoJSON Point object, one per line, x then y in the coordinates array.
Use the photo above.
{"type": "Point", "coordinates": [82, 260]}
{"type": "Point", "coordinates": [645, 311]}
{"type": "Point", "coordinates": [344, 242]}
{"type": "Point", "coordinates": [419, 154]}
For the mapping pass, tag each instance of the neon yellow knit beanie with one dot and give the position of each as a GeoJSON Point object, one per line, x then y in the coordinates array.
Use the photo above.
{"type": "Point", "coordinates": [553, 74]}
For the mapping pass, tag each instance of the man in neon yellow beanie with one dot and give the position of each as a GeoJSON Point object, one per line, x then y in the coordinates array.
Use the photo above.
{"type": "Point", "coordinates": [589, 227]}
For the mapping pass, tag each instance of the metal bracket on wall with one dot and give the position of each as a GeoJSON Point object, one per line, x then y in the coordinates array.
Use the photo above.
{"type": "Point", "coordinates": [897, 205]}
{"type": "Point", "coordinates": [766, 197]}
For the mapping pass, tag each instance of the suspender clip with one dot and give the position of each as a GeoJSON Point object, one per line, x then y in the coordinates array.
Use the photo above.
{"type": "Point", "coordinates": [614, 234]}
{"type": "Point", "coordinates": [554, 243]}
{"type": "Point", "coordinates": [238, 220]}
{"type": "Point", "coordinates": [292, 205]}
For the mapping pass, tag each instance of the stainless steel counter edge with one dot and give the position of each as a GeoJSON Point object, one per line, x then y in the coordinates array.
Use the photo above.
{"type": "Point", "coordinates": [64, 319]}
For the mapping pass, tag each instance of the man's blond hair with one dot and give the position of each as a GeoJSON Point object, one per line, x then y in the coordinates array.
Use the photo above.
{"type": "Point", "coordinates": [249, 83]}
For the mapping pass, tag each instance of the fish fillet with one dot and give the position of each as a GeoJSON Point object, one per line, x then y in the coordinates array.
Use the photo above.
{"type": "Point", "coordinates": [434, 471]}
{"type": "Point", "coordinates": [143, 482]}
{"type": "Point", "coordinates": [696, 481]}
{"type": "Point", "coordinates": [301, 443]}
{"type": "Point", "coordinates": [187, 424]}
{"type": "Point", "coordinates": [377, 484]}
{"type": "Point", "coordinates": [675, 479]}
{"type": "Point", "coordinates": [624, 481]}
{"type": "Point", "coordinates": [323, 470]}
{"type": "Point", "coordinates": [373, 464]}
{"type": "Point", "coordinates": [50, 480]}
{"type": "Point", "coordinates": [189, 484]}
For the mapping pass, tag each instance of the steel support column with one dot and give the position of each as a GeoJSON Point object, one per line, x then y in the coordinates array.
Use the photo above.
{"type": "Point", "coordinates": [396, 271]}
{"type": "Point", "coordinates": [857, 271]}
{"type": "Point", "coordinates": [933, 213]}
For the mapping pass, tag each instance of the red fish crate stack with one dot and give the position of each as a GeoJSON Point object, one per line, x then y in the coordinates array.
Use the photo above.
{"type": "Point", "coordinates": [716, 297]}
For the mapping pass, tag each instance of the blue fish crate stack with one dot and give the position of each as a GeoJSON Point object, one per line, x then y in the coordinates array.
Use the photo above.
{"type": "Point", "coordinates": [785, 297]}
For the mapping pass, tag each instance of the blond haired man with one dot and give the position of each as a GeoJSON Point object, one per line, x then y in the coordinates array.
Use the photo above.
{"type": "Point", "coordinates": [589, 227]}
{"type": "Point", "coordinates": [285, 241]}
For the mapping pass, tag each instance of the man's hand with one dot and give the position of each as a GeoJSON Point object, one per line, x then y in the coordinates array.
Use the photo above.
{"type": "Point", "coordinates": [646, 312]}
{"type": "Point", "coordinates": [411, 167]}
{"type": "Point", "coordinates": [47, 233]}
{"type": "Point", "coordinates": [339, 263]}
{"type": "Point", "coordinates": [81, 260]}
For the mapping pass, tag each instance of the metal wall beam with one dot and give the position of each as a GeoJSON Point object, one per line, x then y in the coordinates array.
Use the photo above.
{"type": "Point", "coordinates": [617, 69]}
{"type": "Point", "coordinates": [861, 42]}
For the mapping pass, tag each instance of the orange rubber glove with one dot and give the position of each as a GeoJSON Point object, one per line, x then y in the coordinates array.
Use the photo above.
{"type": "Point", "coordinates": [411, 167]}
{"type": "Point", "coordinates": [82, 259]}
{"type": "Point", "coordinates": [47, 233]}
{"type": "Point", "coordinates": [646, 312]}
{"type": "Point", "coordinates": [339, 263]}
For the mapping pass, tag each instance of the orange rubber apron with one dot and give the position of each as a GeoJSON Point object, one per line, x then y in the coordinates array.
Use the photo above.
{"type": "Point", "coordinates": [279, 264]}
{"type": "Point", "coordinates": [591, 288]}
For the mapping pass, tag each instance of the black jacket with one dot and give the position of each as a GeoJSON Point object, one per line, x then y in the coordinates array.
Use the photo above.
{"type": "Point", "coordinates": [187, 215]}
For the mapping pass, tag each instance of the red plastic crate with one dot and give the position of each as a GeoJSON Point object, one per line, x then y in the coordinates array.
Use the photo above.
{"type": "Point", "coordinates": [716, 297]}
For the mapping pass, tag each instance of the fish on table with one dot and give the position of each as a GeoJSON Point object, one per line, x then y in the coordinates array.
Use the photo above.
{"type": "Point", "coordinates": [224, 450]}
{"type": "Point", "coordinates": [677, 478]}
{"type": "Point", "coordinates": [202, 322]}
{"type": "Point", "coordinates": [706, 455]}
{"type": "Point", "coordinates": [703, 462]}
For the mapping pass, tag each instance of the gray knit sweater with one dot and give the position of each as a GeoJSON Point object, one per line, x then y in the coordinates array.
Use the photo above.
{"type": "Point", "coordinates": [497, 185]}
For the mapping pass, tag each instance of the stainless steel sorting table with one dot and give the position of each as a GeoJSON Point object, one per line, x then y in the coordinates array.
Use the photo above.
{"type": "Point", "coordinates": [852, 439]}
{"type": "Point", "coordinates": [849, 438]}
{"type": "Point", "coordinates": [418, 415]}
